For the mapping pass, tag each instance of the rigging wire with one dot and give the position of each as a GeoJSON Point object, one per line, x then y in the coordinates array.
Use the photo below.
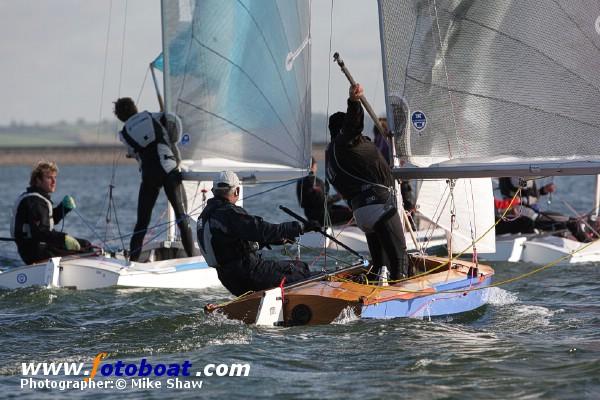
{"type": "Point", "coordinates": [453, 114]}
{"type": "Point", "coordinates": [139, 96]}
{"type": "Point", "coordinates": [105, 67]}
{"type": "Point", "coordinates": [326, 129]}
{"type": "Point", "coordinates": [123, 48]}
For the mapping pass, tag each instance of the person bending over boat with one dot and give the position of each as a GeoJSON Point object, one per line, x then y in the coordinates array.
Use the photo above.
{"type": "Point", "coordinates": [34, 217]}
{"type": "Point", "coordinates": [358, 171]}
{"type": "Point", "coordinates": [529, 218]}
{"type": "Point", "coordinates": [148, 140]}
{"type": "Point", "coordinates": [229, 239]}
{"type": "Point", "coordinates": [313, 196]}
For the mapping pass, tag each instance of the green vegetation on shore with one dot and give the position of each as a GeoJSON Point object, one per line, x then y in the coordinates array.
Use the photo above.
{"type": "Point", "coordinates": [84, 133]}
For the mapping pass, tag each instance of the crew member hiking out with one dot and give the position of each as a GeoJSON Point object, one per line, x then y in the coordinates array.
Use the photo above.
{"type": "Point", "coordinates": [230, 238]}
{"type": "Point", "coordinates": [361, 174]}
{"type": "Point", "coordinates": [148, 140]}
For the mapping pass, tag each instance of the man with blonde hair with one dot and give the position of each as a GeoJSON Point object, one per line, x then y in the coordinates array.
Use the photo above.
{"type": "Point", "coordinates": [34, 217]}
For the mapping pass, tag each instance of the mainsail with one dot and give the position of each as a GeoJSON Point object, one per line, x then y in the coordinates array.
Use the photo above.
{"type": "Point", "coordinates": [493, 88]}
{"type": "Point", "coordinates": [237, 73]}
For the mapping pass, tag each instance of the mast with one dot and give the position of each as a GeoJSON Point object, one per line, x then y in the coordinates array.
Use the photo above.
{"type": "Point", "coordinates": [597, 196]}
{"type": "Point", "coordinates": [165, 106]}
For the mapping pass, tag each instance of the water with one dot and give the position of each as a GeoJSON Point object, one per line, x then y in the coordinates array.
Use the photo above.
{"type": "Point", "coordinates": [537, 339]}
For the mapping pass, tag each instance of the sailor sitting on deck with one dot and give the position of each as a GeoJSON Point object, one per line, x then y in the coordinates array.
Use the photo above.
{"type": "Point", "coordinates": [229, 239]}
{"type": "Point", "coordinates": [34, 217]}
{"type": "Point", "coordinates": [361, 174]}
{"type": "Point", "coordinates": [313, 196]}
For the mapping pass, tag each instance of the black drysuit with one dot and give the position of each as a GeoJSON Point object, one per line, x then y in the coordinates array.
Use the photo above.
{"type": "Point", "coordinates": [312, 194]}
{"type": "Point", "coordinates": [229, 239]}
{"type": "Point", "coordinates": [357, 170]}
{"type": "Point", "coordinates": [544, 221]}
{"type": "Point", "coordinates": [34, 218]}
{"type": "Point", "coordinates": [147, 140]}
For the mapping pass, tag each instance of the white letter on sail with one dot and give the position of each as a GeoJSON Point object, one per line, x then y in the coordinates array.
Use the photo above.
{"type": "Point", "coordinates": [289, 60]}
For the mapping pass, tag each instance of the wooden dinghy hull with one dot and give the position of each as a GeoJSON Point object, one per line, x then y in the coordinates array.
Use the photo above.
{"type": "Point", "coordinates": [443, 292]}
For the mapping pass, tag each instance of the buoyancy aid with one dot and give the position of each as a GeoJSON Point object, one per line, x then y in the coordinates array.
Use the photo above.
{"type": "Point", "coordinates": [23, 228]}
{"type": "Point", "coordinates": [147, 139]}
{"type": "Point", "coordinates": [217, 245]}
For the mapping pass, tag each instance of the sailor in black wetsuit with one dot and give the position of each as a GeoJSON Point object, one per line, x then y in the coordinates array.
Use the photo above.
{"type": "Point", "coordinates": [529, 217]}
{"type": "Point", "coordinates": [229, 239]}
{"type": "Point", "coordinates": [358, 171]}
{"type": "Point", "coordinates": [313, 196]}
{"type": "Point", "coordinates": [34, 217]}
{"type": "Point", "coordinates": [154, 147]}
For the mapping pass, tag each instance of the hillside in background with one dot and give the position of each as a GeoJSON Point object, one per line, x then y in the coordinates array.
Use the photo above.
{"type": "Point", "coordinates": [84, 133]}
{"type": "Point", "coordinates": [80, 133]}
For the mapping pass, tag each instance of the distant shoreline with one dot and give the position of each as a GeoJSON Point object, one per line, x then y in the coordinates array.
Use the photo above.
{"type": "Point", "coordinates": [84, 155]}
{"type": "Point", "coordinates": [63, 155]}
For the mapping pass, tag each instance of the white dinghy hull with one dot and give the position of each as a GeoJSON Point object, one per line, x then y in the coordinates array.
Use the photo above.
{"type": "Point", "coordinates": [100, 272]}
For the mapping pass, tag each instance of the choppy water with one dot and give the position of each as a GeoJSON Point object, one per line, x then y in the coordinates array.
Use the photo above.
{"type": "Point", "coordinates": [537, 339]}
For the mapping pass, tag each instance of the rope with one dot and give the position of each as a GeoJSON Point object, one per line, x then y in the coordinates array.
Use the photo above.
{"type": "Point", "coordinates": [289, 182]}
{"type": "Point", "coordinates": [91, 228]}
{"type": "Point", "coordinates": [465, 250]}
{"type": "Point", "coordinates": [497, 284]}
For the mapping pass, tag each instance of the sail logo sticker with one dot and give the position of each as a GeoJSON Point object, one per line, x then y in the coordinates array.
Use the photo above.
{"type": "Point", "coordinates": [21, 278]}
{"type": "Point", "coordinates": [598, 25]}
{"type": "Point", "coordinates": [418, 120]}
{"type": "Point", "coordinates": [185, 139]}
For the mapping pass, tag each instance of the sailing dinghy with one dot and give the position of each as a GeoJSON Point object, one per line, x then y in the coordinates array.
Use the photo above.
{"type": "Point", "coordinates": [441, 288]}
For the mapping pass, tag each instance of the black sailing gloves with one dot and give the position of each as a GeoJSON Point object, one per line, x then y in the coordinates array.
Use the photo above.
{"type": "Point", "coordinates": [311, 226]}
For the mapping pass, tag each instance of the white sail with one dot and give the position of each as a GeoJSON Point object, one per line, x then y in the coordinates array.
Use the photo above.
{"type": "Point", "coordinates": [238, 75]}
{"type": "Point", "coordinates": [472, 205]}
{"type": "Point", "coordinates": [493, 88]}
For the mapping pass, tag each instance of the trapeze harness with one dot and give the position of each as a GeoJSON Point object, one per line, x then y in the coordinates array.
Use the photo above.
{"type": "Point", "coordinates": [373, 202]}
{"type": "Point", "coordinates": [141, 133]}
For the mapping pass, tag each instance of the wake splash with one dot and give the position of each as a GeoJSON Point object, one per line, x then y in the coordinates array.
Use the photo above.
{"type": "Point", "coordinates": [501, 297]}
{"type": "Point", "coordinates": [346, 316]}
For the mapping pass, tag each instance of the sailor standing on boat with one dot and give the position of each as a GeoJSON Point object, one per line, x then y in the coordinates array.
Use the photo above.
{"type": "Point", "coordinates": [229, 239]}
{"type": "Point", "coordinates": [34, 217]}
{"type": "Point", "coordinates": [358, 171]}
{"type": "Point", "coordinates": [154, 147]}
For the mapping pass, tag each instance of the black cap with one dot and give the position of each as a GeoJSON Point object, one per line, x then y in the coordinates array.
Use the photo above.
{"type": "Point", "coordinates": [336, 122]}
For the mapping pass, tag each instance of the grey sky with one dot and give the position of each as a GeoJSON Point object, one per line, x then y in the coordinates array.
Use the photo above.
{"type": "Point", "coordinates": [53, 56]}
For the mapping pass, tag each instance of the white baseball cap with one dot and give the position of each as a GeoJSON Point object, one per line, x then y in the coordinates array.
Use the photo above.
{"type": "Point", "coordinates": [226, 179]}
